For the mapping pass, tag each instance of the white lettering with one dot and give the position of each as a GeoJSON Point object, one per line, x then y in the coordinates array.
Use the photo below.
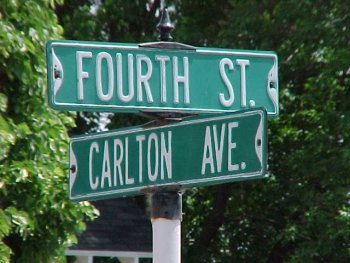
{"type": "Point", "coordinates": [219, 146]}
{"type": "Point", "coordinates": [104, 56]}
{"type": "Point", "coordinates": [127, 179]}
{"type": "Point", "coordinates": [106, 167]}
{"type": "Point", "coordinates": [93, 148]}
{"type": "Point", "coordinates": [162, 60]}
{"type": "Point", "coordinates": [121, 96]}
{"type": "Point", "coordinates": [140, 139]}
{"type": "Point", "coordinates": [207, 152]}
{"type": "Point", "coordinates": [165, 155]}
{"type": "Point", "coordinates": [152, 176]}
{"type": "Point", "coordinates": [80, 73]}
{"type": "Point", "coordinates": [231, 145]}
{"type": "Point", "coordinates": [143, 79]}
{"type": "Point", "coordinates": [230, 100]}
{"type": "Point", "coordinates": [243, 63]}
{"type": "Point", "coordinates": [184, 79]}
{"type": "Point", "coordinates": [117, 160]}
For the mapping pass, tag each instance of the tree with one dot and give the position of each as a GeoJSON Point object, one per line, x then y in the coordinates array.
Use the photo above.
{"type": "Point", "coordinates": [301, 212]}
{"type": "Point", "coordinates": [36, 219]}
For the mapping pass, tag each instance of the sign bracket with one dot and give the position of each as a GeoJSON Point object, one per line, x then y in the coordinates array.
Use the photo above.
{"type": "Point", "coordinates": [161, 122]}
{"type": "Point", "coordinates": [167, 45]}
{"type": "Point", "coordinates": [177, 116]}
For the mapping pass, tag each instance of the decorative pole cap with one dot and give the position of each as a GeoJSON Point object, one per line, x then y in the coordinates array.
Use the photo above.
{"type": "Point", "coordinates": [165, 27]}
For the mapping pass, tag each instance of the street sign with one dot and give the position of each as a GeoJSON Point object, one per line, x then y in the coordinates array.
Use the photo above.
{"type": "Point", "coordinates": [194, 152]}
{"type": "Point", "coordinates": [112, 77]}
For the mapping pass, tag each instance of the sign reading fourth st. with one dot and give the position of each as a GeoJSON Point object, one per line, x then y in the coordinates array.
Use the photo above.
{"type": "Point", "coordinates": [109, 77]}
{"type": "Point", "coordinates": [196, 151]}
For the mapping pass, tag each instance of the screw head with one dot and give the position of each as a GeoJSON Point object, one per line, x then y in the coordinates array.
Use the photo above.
{"type": "Point", "coordinates": [73, 168]}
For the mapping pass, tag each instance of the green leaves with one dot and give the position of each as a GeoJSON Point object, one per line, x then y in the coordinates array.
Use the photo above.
{"type": "Point", "coordinates": [5, 228]}
{"type": "Point", "coordinates": [5, 223]}
{"type": "Point", "coordinates": [20, 221]}
{"type": "Point", "coordinates": [295, 215]}
{"type": "Point", "coordinates": [36, 218]}
{"type": "Point", "coordinates": [7, 138]}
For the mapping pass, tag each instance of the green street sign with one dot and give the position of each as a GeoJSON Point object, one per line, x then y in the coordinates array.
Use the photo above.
{"type": "Point", "coordinates": [194, 152]}
{"type": "Point", "coordinates": [112, 77]}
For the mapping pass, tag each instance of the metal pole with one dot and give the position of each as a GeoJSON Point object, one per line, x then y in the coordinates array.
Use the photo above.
{"type": "Point", "coordinates": [166, 216]}
{"type": "Point", "coordinates": [166, 204]}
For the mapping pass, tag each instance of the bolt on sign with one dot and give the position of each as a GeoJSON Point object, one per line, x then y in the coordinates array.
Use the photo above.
{"type": "Point", "coordinates": [194, 152]}
{"type": "Point", "coordinates": [112, 77]}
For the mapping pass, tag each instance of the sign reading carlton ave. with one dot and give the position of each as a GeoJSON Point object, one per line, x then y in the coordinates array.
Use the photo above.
{"type": "Point", "coordinates": [193, 152]}
{"type": "Point", "coordinates": [109, 77]}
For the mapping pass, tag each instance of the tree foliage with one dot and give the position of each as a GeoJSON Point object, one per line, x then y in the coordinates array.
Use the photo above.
{"type": "Point", "coordinates": [301, 213]}
{"type": "Point", "coordinates": [36, 219]}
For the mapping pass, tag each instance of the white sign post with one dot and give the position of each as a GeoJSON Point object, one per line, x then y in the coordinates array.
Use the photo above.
{"type": "Point", "coordinates": [166, 240]}
{"type": "Point", "coordinates": [166, 218]}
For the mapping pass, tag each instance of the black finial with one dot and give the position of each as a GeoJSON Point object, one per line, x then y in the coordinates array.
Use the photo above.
{"type": "Point", "coordinates": [165, 27]}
